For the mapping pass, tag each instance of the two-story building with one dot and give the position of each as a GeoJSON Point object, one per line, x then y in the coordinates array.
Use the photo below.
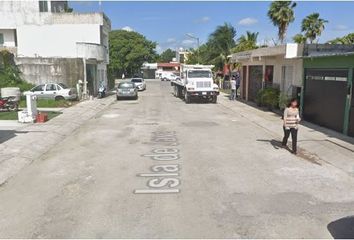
{"type": "Point", "coordinates": [52, 44]}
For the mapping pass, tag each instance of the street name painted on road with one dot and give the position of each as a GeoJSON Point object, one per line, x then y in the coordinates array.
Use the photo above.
{"type": "Point", "coordinates": [164, 176]}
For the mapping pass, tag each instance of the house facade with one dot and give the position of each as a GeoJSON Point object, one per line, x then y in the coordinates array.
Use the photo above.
{"type": "Point", "coordinates": [327, 98]}
{"type": "Point", "coordinates": [320, 75]}
{"type": "Point", "coordinates": [53, 45]}
{"type": "Point", "coordinates": [279, 66]}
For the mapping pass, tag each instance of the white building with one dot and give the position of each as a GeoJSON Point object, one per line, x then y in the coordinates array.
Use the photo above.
{"type": "Point", "coordinates": [279, 66]}
{"type": "Point", "coordinates": [54, 45]}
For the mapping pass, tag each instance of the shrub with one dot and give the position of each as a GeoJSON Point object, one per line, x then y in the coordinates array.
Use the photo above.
{"type": "Point", "coordinates": [10, 74]}
{"type": "Point", "coordinates": [283, 101]}
{"type": "Point", "coordinates": [268, 97]}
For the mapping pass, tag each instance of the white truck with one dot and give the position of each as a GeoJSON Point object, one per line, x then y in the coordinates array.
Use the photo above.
{"type": "Point", "coordinates": [196, 82]}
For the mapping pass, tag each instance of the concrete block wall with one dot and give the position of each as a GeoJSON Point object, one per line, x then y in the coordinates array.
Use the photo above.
{"type": "Point", "coordinates": [45, 70]}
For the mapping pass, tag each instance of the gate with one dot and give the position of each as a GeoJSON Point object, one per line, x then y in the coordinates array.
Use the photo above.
{"type": "Point", "coordinates": [255, 81]}
{"type": "Point", "coordinates": [351, 118]}
{"type": "Point", "coordinates": [325, 97]}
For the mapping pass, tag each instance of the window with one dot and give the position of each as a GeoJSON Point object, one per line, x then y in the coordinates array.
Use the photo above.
{"type": "Point", "coordinates": [43, 6]}
{"type": "Point", "coordinates": [38, 88]}
{"type": "Point", "coordinates": [199, 74]}
{"type": "Point", "coordinates": [327, 74]}
{"type": "Point", "coordinates": [62, 85]}
{"type": "Point", "coordinates": [51, 87]}
{"type": "Point", "coordinates": [1, 39]}
{"type": "Point", "coordinates": [126, 85]}
{"type": "Point", "coordinates": [58, 6]}
{"type": "Point", "coordinates": [137, 80]}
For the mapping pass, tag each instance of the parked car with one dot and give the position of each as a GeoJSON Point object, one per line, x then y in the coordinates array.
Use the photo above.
{"type": "Point", "coordinates": [139, 83]}
{"type": "Point", "coordinates": [127, 90]}
{"type": "Point", "coordinates": [168, 76]}
{"type": "Point", "coordinates": [56, 91]}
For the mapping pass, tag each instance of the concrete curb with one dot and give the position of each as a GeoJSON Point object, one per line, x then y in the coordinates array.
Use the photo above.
{"type": "Point", "coordinates": [34, 140]}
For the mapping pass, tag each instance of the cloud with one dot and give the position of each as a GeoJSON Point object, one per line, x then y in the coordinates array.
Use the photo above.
{"type": "Point", "coordinates": [247, 21]}
{"type": "Point", "coordinates": [127, 28]}
{"type": "Point", "coordinates": [171, 40]}
{"type": "Point", "coordinates": [340, 27]}
{"type": "Point", "coordinates": [204, 19]}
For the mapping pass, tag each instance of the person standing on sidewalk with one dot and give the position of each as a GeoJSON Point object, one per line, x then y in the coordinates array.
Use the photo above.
{"type": "Point", "coordinates": [238, 82]}
{"type": "Point", "coordinates": [291, 119]}
{"type": "Point", "coordinates": [233, 88]}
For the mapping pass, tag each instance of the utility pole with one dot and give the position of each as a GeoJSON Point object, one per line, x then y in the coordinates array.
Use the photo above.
{"type": "Point", "coordinates": [196, 38]}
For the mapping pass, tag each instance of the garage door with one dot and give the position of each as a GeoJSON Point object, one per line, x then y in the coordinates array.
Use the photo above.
{"type": "Point", "coordinates": [351, 118]}
{"type": "Point", "coordinates": [325, 97]}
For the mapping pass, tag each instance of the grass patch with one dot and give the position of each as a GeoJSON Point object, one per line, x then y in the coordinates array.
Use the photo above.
{"type": "Point", "coordinates": [49, 103]}
{"type": "Point", "coordinates": [13, 115]}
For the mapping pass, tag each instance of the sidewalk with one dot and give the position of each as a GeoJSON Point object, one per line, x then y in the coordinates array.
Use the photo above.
{"type": "Point", "coordinates": [316, 144]}
{"type": "Point", "coordinates": [22, 145]}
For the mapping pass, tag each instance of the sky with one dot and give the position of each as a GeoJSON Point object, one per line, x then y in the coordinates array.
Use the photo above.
{"type": "Point", "coordinates": [167, 23]}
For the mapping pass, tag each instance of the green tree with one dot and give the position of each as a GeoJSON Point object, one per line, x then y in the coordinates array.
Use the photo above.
{"type": "Point", "coordinates": [203, 55]}
{"type": "Point", "coordinates": [312, 26]}
{"type": "Point", "coordinates": [220, 43]}
{"type": "Point", "coordinates": [281, 13]}
{"type": "Point", "coordinates": [9, 72]}
{"type": "Point", "coordinates": [246, 42]}
{"type": "Point", "coordinates": [299, 38]}
{"type": "Point", "coordinates": [348, 39]}
{"type": "Point", "coordinates": [128, 50]}
{"type": "Point", "coordinates": [167, 55]}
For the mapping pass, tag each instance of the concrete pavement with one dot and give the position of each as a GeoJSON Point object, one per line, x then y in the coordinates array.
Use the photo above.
{"type": "Point", "coordinates": [160, 168]}
{"type": "Point", "coordinates": [316, 144]}
{"type": "Point", "coordinates": [21, 144]}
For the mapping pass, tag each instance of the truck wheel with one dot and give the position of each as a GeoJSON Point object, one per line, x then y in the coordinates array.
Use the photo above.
{"type": "Point", "coordinates": [186, 98]}
{"type": "Point", "coordinates": [215, 99]}
{"type": "Point", "coordinates": [175, 90]}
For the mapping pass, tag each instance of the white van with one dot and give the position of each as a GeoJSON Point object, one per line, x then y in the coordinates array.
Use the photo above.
{"type": "Point", "coordinates": [168, 76]}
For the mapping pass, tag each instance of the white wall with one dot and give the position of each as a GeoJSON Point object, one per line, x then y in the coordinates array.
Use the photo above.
{"type": "Point", "coordinates": [278, 62]}
{"type": "Point", "coordinates": [9, 37]}
{"type": "Point", "coordinates": [55, 40]}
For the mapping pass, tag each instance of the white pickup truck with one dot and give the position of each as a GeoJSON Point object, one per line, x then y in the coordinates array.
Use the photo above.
{"type": "Point", "coordinates": [196, 82]}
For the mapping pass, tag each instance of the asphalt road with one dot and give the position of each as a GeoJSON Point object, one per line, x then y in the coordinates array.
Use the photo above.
{"type": "Point", "coordinates": [160, 168]}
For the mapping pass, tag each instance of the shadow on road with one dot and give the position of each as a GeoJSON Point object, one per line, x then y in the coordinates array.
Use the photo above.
{"type": "Point", "coordinates": [342, 228]}
{"type": "Point", "coordinates": [275, 143]}
{"type": "Point", "coordinates": [6, 135]}
{"type": "Point", "coordinates": [301, 153]}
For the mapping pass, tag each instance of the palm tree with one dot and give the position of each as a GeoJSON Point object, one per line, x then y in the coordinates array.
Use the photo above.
{"type": "Point", "coordinates": [220, 43]}
{"type": "Point", "coordinates": [281, 13]}
{"type": "Point", "coordinates": [348, 39]}
{"type": "Point", "coordinates": [246, 42]}
{"type": "Point", "coordinates": [299, 38]}
{"type": "Point", "coordinates": [313, 26]}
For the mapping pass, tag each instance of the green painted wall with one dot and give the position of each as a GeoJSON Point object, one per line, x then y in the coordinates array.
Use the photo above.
{"type": "Point", "coordinates": [333, 62]}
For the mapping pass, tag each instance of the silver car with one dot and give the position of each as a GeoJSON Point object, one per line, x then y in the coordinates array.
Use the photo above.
{"type": "Point", "coordinates": [127, 90]}
{"type": "Point", "coordinates": [139, 83]}
{"type": "Point", "coordinates": [56, 91]}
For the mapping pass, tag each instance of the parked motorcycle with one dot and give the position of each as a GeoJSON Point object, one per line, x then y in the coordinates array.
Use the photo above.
{"type": "Point", "coordinates": [101, 92]}
{"type": "Point", "coordinates": [8, 103]}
